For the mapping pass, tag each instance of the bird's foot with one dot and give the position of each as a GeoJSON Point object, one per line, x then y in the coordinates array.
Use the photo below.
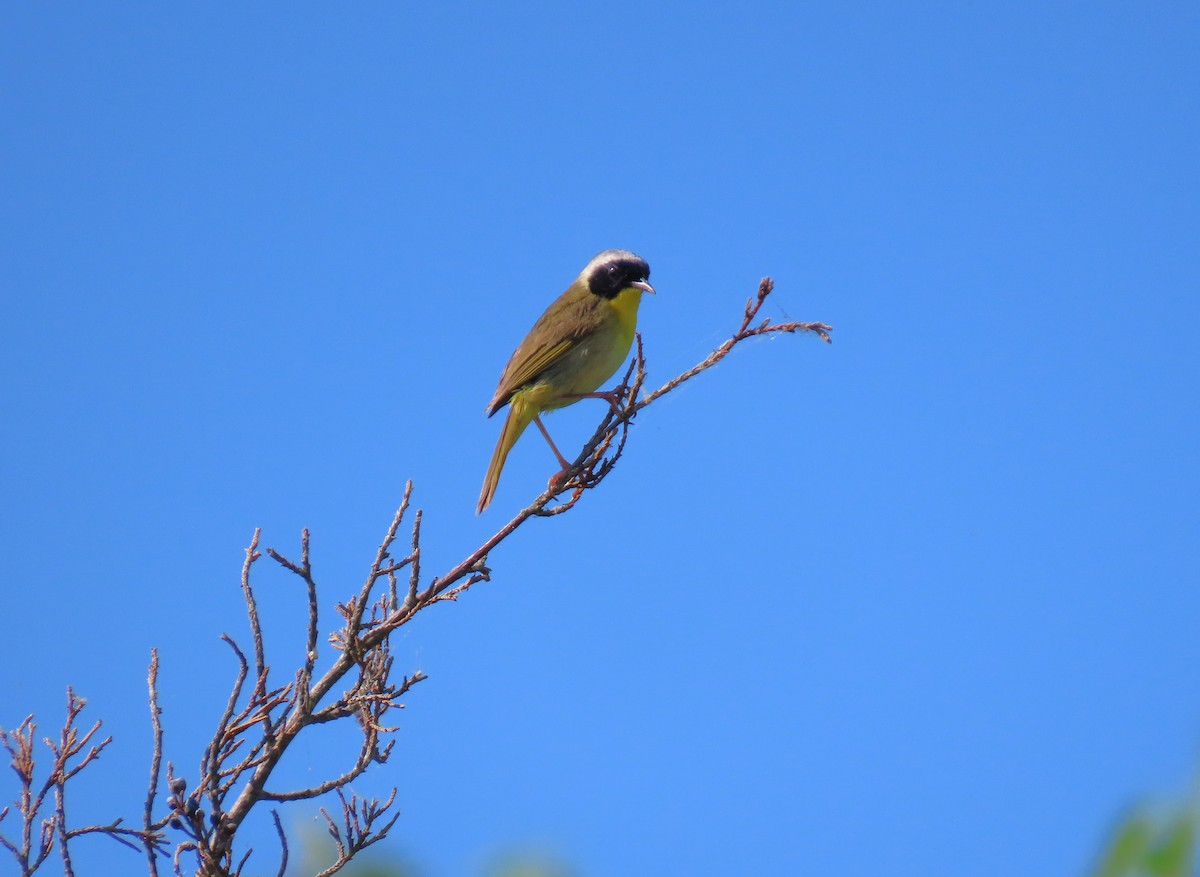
{"type": "Point", "coordinates": [557, 481]}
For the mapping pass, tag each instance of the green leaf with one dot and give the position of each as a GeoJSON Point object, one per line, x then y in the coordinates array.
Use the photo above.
{"type": "Point", "coordinates": [1174, 850]}
{"type": "Point", "coordinates": [1127, 850]}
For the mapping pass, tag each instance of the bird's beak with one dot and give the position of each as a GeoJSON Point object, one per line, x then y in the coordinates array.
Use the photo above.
{"type": "Point", "coordinates": [642, 285]}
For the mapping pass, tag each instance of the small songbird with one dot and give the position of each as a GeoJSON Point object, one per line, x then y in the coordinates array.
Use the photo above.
{"type": "Point", "coordinates": [574, 347]}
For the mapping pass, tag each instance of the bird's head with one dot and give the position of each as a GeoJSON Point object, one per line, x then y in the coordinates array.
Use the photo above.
{"type": "Point", "coordinates": [612, 271]}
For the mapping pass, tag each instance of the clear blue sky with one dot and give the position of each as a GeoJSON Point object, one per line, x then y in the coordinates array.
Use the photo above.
{"type": "Point", "coordinates": [922, 602]}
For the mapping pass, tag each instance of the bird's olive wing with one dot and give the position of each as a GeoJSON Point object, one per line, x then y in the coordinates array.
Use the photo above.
{"type": "Point", "coordinates": [571, 318]}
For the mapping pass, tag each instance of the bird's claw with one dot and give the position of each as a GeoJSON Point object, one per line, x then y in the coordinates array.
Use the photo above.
{"type": "Point", "coordinates": [557, 481]}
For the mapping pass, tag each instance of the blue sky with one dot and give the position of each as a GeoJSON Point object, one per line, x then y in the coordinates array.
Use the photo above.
{"type": "Point", "coordinates": [923, 602]}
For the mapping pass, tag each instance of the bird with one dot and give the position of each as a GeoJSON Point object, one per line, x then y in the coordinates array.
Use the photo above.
{"type": "Point", "coordinates": [573, 348]}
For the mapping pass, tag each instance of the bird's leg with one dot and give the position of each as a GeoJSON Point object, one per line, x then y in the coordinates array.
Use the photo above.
{"type": "Point", "coordinates": [561, 459]}
{"type": "Point", "coordinates": [612, 397]}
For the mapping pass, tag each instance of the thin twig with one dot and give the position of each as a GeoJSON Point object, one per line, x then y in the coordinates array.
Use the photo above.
{"type": "Point", "coordinates": [155, 766]}
{"type": "Point", "coordinates": [260, 668]}
{"type": "Point", "coordinates": [283, 857]}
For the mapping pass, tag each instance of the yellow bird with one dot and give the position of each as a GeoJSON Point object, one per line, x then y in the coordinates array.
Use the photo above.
{"type": "Point", "coordinates": [574, 347]}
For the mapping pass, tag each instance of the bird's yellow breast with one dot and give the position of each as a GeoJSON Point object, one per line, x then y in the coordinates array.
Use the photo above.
{"type": "Point", "coordinates": [593, 361]}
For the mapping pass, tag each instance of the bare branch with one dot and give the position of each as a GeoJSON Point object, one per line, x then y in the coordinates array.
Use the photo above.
{"type": "Point", "coordinates": [155, 767]}
{"type": "Point", "coordinates": [252, 555]}
{"type": "Point", "coordinates": [414, 573]}
{"type": "Point", "coordinates": [283, 844]}
{"type": "Point", "coordinates": [259, 722]}
{"type": "Point", "coordinates": [72, 752]}
{"type": "Point", "coordinates": [357, 830]}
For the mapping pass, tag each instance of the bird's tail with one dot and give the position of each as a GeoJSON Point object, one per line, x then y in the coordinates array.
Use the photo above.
{"type": "Point", "coordinates": [519, 417]}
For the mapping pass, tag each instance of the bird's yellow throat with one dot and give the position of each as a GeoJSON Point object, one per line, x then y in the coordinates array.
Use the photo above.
{"type": "Point", "coordinates": [626, 305]}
